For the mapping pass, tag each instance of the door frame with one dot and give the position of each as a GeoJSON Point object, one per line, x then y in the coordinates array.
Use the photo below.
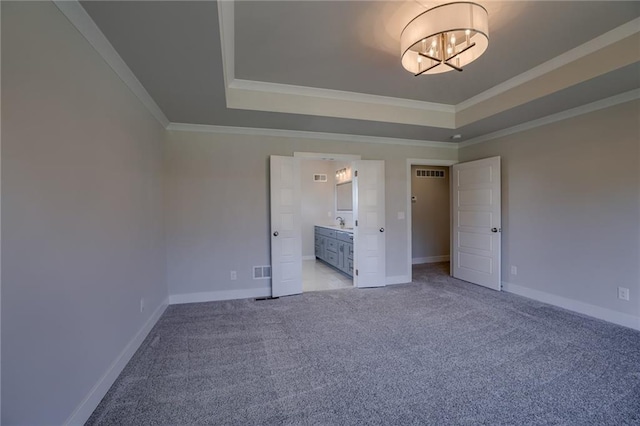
{"type": "Point", "coordinates": [297, 158]}
{"type": "Point", "coordinates": [424, 162]}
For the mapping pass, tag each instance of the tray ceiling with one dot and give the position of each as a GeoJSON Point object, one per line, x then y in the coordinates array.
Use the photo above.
{"type": "Point", "coordinates": [174, 49]}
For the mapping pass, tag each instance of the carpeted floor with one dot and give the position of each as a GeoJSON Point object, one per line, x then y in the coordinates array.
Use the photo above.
{"type": "Point", "coordinates": [437, 351]}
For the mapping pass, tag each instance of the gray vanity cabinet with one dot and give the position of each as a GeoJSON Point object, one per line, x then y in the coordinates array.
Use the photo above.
{"type": "Point", "coordinates": [335, 248]}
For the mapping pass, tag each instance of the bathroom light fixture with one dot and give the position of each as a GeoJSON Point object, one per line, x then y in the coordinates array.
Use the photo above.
{"type": "Point", "coordinates": [341, 174]}
{"type": "Point", "coordinates": [445, 38]}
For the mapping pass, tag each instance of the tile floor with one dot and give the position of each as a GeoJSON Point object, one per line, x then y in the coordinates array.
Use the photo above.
{"type": "Point", "coordinates": [316, 276]}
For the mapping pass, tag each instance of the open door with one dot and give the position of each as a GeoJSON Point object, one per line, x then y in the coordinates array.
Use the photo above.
{"type": "Point", "coordinates": [286, 238]}
{"type": "Point", "coordinates": [477, 222]}
{"type": "Point", "coordinates": [369, 216]}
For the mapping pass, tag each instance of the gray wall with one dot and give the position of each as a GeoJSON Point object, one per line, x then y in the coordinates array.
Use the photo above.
{"type": "Point", "coordinates": [218, 204]}
{"type": "Point", "coordinates": [82, 224]}
{"type": "Point", "coordinates": [571, 206]}
{"type": "Point", "coordinates": [430, 217]}
{"type": "Point", "coordinates": [318, 199]}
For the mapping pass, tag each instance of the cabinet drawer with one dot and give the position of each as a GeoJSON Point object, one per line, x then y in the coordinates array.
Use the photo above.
{"type": "Point", "coordinates": [344, 236]}
{"type": "Point", "coordinates": [331, 258]}
{"type": "Point", "coordinates": [331, 245]}
{"type": "Point", "coordinates": [325, 232]}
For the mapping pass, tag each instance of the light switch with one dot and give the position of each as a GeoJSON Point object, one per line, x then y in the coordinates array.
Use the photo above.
{"type": "Point", "coordinates": [400, 215]}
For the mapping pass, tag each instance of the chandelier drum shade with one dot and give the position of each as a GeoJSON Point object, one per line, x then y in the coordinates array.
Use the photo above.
{"type": "Point", "coordinates": [445, 38]}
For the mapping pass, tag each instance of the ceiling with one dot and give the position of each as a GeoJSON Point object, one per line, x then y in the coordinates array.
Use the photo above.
{"type": "Point", "coordinates": [334, 66]}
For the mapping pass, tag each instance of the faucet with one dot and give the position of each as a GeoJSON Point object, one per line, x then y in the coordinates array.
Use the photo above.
{"type": "Point", "coordinates": [341, 221]}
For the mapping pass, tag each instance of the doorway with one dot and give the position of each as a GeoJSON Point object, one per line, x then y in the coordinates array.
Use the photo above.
{"type": "Point", "coordinates": [430, 214]}
{"type": "Point", "coordinates": [320, 180]}
{"type": "Point", "coordinates": [369, 236]}
{"type": "Point", "coordinates": [429, 217]}
{"type": "Point", "coordinates": [475, 220]}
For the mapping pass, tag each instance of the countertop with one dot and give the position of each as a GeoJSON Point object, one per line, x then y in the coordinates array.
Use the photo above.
{"type": "Point", "coordinates": [337, 228]}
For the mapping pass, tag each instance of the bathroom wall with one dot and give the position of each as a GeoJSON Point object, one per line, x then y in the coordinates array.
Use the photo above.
{"type": "Point", "coordinates": [318, 200]}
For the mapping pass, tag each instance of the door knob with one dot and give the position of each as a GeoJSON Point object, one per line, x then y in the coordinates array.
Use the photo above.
{"type": "Point", "coordinates": [494, 229]}
{"type": "Point", "coordinates": [381, 229]}
{"type": "Point", "coordinates": [275, 234]}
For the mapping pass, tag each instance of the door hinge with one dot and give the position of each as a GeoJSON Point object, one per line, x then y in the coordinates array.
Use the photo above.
{"type": "Point", "coordinates": [356, 223]}
{"type": "Point", "coordinates": [356, 174]}
{"type": "Point", "coordinates": [356, 272]}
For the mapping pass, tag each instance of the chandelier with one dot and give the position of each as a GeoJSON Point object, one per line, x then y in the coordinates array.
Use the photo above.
{"type": "Point", "coordinates": [445, 38]}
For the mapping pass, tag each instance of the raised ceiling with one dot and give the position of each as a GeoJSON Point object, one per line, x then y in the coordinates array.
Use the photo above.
{"type": "Point", "coordinates": [301, 65]}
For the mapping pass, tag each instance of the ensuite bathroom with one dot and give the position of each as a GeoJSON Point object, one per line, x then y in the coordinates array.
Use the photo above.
{"type": "Point", "coordinates": [327, 224]}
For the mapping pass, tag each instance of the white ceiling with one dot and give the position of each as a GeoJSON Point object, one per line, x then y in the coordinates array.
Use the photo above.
{"type": "Point", "coordinates": [175, 51]}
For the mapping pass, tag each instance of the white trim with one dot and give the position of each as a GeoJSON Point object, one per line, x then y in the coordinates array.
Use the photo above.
{"type": "Point", "coordinates": [569, 56]}
{"type": "Point", "coordinates": [430, 259]}
{"type": "Point", "coordinates": [84, 410]}
{"type": "Point", "coordinates": [418, 162]}
{"type": "Point", "coordinates": [605, 314]}
{"type": "Point", "coordinates": [214, 296]}
{"type": "Point", "coordinates": [261, 96]}
{"type": "Point", "coordinates": [299, 134]}
{"type": "Point", "coordinates": [308, 258]}
{"type": "Point", "coordinates": [398, 279]}
{"type": "Point", "coordinates": [326, 156]}
{"type": "Point", "coordinates": [80, 19]}
{"type": "Point", "coordinates": [226, 22]}
{"type": "Point", "coordinates": [340, 95]}
{"type": "Point", "coordinates": [570, 113]}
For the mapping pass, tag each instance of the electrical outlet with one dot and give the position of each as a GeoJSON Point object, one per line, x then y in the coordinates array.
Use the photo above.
{"type": "Point", "coordinates": [141, 305]}
{"type": "Point", "coordinates": [623, 293]}
{"type": "Point", "coordinates": [514, 270]}
{"type": "Point", "coordinates": [234, 275]}
{"type": "Point", "coordinates": [329, 214]}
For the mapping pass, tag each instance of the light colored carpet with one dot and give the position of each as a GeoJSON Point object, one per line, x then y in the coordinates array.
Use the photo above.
{"type": "Point", "coordinates": [437, 351]}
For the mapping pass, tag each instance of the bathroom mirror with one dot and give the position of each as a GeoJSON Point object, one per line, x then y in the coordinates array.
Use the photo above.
{"type": "Point", "coordinates": [344, 197]}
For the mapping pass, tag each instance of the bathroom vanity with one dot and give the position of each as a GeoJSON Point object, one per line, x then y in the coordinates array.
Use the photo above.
{"type": "Point", "coordinates": [334, 246]}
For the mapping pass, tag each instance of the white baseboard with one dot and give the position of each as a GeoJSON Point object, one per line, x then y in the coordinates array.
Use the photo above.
{"type": "Point", "coordinates": [214, 296]}
{"type": "Point", "coordinates": [398, 279]}
{"type": "Point", "coordinates": [430, 259]}
{"type": "Point", "coordinates": [308, 258]}
{"type": "Point", "coordinates": [605, 314]}
{"type": "Point", "coordinates": [84, 410]}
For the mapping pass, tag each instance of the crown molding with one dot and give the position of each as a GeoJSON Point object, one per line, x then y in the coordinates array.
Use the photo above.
{"type": "Point", "coordinates": [340, 95]}
{"type": "Point", "coordinates": [274, 97]}
{"type": "Point", "coordinates": [226, 21]}
{"type": "Point", "coordinates": [600, 42]}
{"type": "Point", "coordinates": [80, 19]}
{"type": "Point", "coordinates": [570, 113]}
{"type": "Point", "coordinates": [299, 134]}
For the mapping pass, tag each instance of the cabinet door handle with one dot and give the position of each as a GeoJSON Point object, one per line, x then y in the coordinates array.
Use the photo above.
{"type": "Point", "coordinates": [494, 229]}
{"type": "Point", "coordinates": [381, 229]}
{"type": "Point", "coordinates": [275, 234]}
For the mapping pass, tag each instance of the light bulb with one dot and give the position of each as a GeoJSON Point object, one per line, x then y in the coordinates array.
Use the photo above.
{"type": "Point", "coordinates": [449, 50]}
{"type": "Point", "coordinates": [467, 32]}
{"type": "Point", "coordinates": [453, 39]}
{"type": "Point", "coordinates": [433, 43]}
{"type": "Point", "coordinates": [419, 59]}
{"type": "Point", "coordinates": [431, 52]}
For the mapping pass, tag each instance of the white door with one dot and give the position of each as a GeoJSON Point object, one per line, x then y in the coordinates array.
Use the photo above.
{"type": "Point", "coordinates": [286, 239]}
{"type": "Point", "coordinates": [369, 216]}
{"type": "Point", "coordinates": [476, 222]}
